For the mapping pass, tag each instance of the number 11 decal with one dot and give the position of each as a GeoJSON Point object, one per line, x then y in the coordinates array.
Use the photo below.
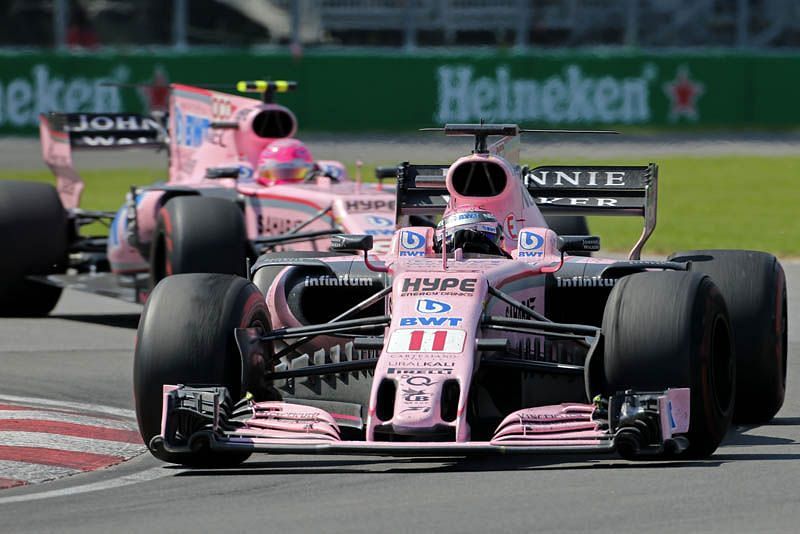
{"type": "Point", "coordinates": [426, 340]}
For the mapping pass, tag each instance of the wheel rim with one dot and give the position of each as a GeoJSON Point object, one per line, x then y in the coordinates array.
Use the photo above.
{"type": "Point", "coordinates": [253, 376]}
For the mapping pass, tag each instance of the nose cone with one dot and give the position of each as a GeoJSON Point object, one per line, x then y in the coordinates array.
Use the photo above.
{"type": "Point", "coordinates": [417, 403]}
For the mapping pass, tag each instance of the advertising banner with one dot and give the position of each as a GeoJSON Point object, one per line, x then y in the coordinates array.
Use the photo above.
{"type": "Point", "coordinates": [389, 91]}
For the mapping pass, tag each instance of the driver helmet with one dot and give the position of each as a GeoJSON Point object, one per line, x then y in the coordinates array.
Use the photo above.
{"type": "Point", "coordinates": [284, 160]}
{"type": "Point", "coordinates": [476, 220]}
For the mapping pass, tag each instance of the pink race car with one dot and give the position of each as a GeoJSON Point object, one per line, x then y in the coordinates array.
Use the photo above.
{"type": "Point", "coordinates": [480, 334]}
{"type": "Point", "coordinates": [239, 184]}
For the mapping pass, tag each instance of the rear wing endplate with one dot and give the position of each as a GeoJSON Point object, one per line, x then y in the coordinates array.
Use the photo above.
{"type": "Point", "coordinates": [61, 132]}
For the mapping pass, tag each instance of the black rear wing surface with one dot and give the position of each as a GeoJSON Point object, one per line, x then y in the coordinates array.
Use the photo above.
{"type": "Point", "coordinates": [557, 190]}
{"type": "Point", "coordinates": [597, 190]}
{"type": "Point", "coordinates": [421, 190]}
{"type": "Point", "coordinates": [61, 132]}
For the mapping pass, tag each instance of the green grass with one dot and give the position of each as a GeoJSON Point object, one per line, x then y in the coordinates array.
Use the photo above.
{"type": "Point", "coordinates": [718, 202]}
{"type": "Point", "coordinates": [749, 202]}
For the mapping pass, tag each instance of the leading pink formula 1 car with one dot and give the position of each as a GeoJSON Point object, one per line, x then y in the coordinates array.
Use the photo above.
{"type": "Point", "coordinates": [239, 184]}
{"type": "Point", "coordinates": [481, 334]}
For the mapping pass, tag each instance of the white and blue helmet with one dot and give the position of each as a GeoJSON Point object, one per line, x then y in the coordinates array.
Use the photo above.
{"type": "Point", "coordinates": [477, 220]}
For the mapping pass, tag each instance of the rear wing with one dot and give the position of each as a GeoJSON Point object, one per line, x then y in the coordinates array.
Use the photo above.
{"type": "Point", "coordinates": [556, 190]}
{"type": "Point", "coordinates": [421, 190]}
{"type": "Point", "coordinates": [597, 190]}
{"type": "Point", "coordinates": [61, 132]}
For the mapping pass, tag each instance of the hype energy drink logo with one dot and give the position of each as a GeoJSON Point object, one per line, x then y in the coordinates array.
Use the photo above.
{"type": "Point", "coordinates": [571, 96]}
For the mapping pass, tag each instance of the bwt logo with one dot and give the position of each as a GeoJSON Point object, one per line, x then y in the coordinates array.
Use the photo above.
{"type": "Point", "coordinates": [374, 220]}
{"type": "Point", "coordinates": [432, 306]}
{"type": "Point", "coordinates": [190, 130]}
{"type": "Point", "coordinates": [412, 242]}
{"type": "Point", "coordinates": [430, 321]}
{"type": "Point", "coordinates": [245, 172]}
{"type": "Point", "coordinates": [529, 244]}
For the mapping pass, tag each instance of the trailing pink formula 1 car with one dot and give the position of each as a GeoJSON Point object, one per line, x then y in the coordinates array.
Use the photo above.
{"type": "Point", "coordinates": [239, 184]}
{"type": "Point", "coordinates": [481, 334]}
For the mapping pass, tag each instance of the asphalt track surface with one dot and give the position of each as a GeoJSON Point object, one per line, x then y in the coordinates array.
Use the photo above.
{"type": "Point", "coordinates": [83, 353]}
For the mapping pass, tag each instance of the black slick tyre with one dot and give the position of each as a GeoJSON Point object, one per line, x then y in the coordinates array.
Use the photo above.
{"type": "Point", "coordinates": [186, 336]}
{"type": "Point", "coordinates": [753, 285]}
{"type": "Point", "coordinates": [196, 234]}
{"type": "Point", "coordinates": [34, 240]}
{"type": "Point", "coordinates": [667, 330]}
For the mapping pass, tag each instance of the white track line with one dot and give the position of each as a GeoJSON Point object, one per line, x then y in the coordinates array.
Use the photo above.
{"type": "Point", "coordinates": [33, 473]}
{"type": "Point", "coordinates": [63, 417]}
{"type": "Point", "coordinates": [70, 443]}
{"type": "Point", "coordinates": [126, 480]}
{"type": "Point", "coordinates": [67, 405]}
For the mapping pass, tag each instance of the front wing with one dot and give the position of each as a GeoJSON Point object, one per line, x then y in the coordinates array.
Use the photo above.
{"type": "Point", "coordinates": [635, 423]}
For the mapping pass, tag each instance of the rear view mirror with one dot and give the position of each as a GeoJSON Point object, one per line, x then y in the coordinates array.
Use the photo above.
{"type": "Point", "coordinates": [222, 172]}
{"type": "Point", "coordinates": [578, 243]}
{"type": "Point", "coordinates": [351, 242]}
{"type": "Point", "coordinates": [382, 173]}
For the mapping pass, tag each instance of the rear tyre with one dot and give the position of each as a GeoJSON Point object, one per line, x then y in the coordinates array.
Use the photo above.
{"type": "Point", "coordinates": [34, 240]}
{"type": "Point", "coordinates": [670, 329]}
{"type": "Point", "coordinates": [197, 234]}
{"type": "Point", "coordinates": [186, 336]}
{"type": "Point", "coordinates": [753, 285]}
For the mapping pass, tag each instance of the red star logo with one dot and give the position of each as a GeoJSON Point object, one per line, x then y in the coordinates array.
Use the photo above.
{"type": "Point", "coordinates": [156, 93]}
{"type": "Point", "coordinates": [683, 94]}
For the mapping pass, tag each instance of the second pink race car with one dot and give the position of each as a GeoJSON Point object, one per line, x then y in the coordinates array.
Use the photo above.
{"type": "Point", "coordinates": [239, 184]}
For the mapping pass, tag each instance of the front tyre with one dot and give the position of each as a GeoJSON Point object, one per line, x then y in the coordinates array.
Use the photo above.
{"type": "Point", "coordinates": [669, 330]}
{"type": "Point", "coordinates": [186, 336]}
